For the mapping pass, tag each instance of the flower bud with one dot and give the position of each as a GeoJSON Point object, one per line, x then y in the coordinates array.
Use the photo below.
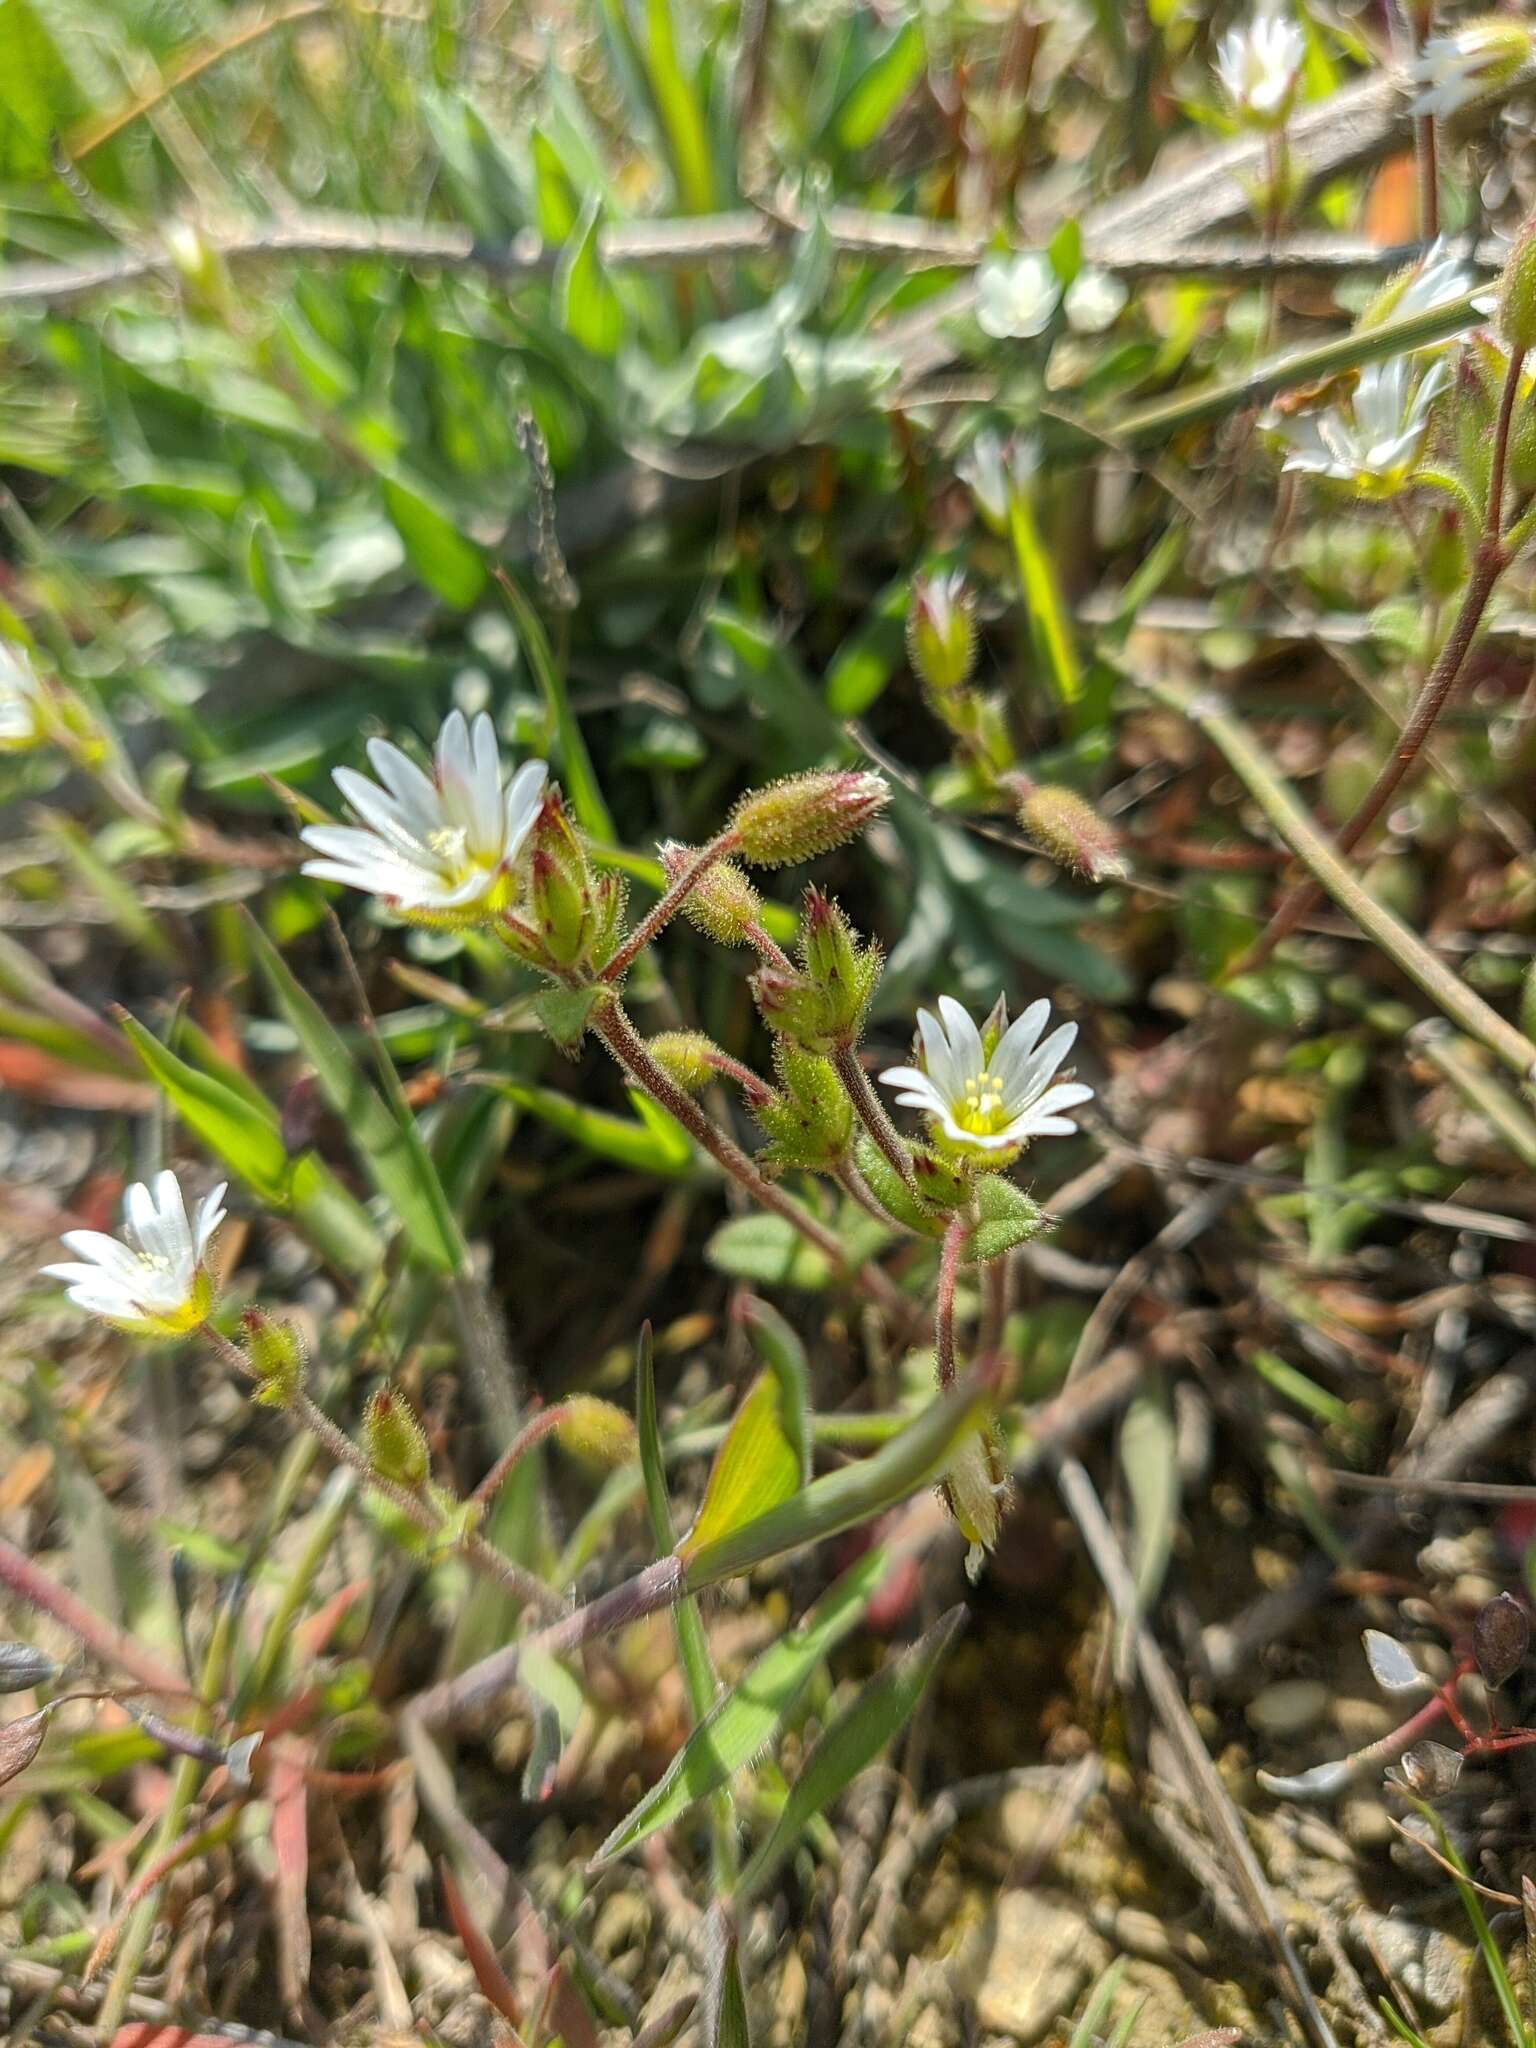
{"type": "Point", "coordinates": [1516, 318]}
{"type": "Point", "coordinates": [722, 904]}
{"type": "Point", "coordinates": [806, 815]}
{"type": "Point", "coordinates": [809, 1120]}
{"type": "Point", "coordinates": [560, 889]}
{"type": "Point", "coordinates": [686, 1057]}
{"type": "Point", "coordinates": [275, 1354]}
{"type": "Point", "coordinates": [1501, 1636]}
{"type": "Point", "coordinates": [938, 1180]}
{"type": "Point", "coordinates": [821, 1006]}
{"type": "Point", "coordinates": [1070, 831]}
{"type": "Point", "coordinates": [22, 1668]}
{"type": "Point", "coordinates": [941, 631]}
{"type": "Point", "coordinates": [596, 1431]}
{"type": "Point", "coordinates": [394, 1441]}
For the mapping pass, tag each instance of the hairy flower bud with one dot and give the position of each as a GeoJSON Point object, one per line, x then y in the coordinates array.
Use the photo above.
{"type": "Point", "coordinates": [686, 1057]}
{"type": "Point", "coordinates": [722, 904]}
{"type": "Point", "coordinates": [806, 815]}
{"type": "Point", "coordinates": [596, 1431]}
{"type": "Point", "coordinates": [22, 1668]}
{"type": "Point", "coordinates": [275, 1354]}
{"type": "Point", "coordinates": [941, 631]}
{"type": "Point", "coordinates": [394, 1441]}
{"type": "Point", "coordinates": [1501, 1637]}
{"type": "Point", "coordinates": [560, 890]}
{"type": "Point", "coordinates": [1516, 320]}
{"type": "Point", "coordinates": [809, 1120]}
{"type": "Point", "coordinates": [822, 1005]}
{"type": "Point", "coordinates": [1067, 828]}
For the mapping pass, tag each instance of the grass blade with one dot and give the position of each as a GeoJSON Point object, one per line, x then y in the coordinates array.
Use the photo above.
{"type": "Point", "coordinates": [851, 1742]}
{"type": "Point", "coordinates": [742, 1725]}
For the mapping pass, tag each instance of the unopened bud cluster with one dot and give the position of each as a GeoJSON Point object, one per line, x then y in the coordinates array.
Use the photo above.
{"type": "Point", "coordinates": [822, 1005]}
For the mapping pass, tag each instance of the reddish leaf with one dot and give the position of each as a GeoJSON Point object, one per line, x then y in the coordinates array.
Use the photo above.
{"type": "Point", "coordinates": [312, 1638]}
{"type": "Point", "coordinates": [155, 2034]}
{"type": "Point", "coordinates": [478, 1953]}
{"type": "Point", "coordinates": [29, 1071]}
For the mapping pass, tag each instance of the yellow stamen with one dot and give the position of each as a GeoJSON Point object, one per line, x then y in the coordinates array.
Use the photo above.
{"type": "Point", "coordinates": [981, 1110]}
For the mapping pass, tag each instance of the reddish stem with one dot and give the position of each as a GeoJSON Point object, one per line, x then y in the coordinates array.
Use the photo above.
{"type": "Point", "coordinates": [944, 1311]}
{"type": "Point", "coordinates": [106, 1643]}
{"type": "Point", "coordinates": [670, 903]}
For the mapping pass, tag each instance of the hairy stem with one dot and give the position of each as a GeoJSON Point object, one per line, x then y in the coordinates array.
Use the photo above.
{"type": "Point", "coordinates": [662, 913]}
{"type": "Point", "coordinates": [110, 1646]}
{"type": "Point", "coordinates": [871, 1112]}
{"type": "Point", "coordinates": [612, 1025]}
{"type": "Point", "coordinates": [944, 1308]}
{"type": "Point", "coordinates": [484, 1557]}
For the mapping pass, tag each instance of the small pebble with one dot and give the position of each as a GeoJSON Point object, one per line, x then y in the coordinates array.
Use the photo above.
{"type": "Point", "coordinates": [1288, 1706]}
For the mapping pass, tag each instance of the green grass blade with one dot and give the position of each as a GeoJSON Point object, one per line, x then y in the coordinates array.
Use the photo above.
{"type": "Point", "coordinates": [576, 770]}
{"type": "Point", "coordinates": [881, 87]}
{"type": "Point", "coordinates": [398, 1167]}
{"type": "Point", "coordinates": [1048, 622]}
{"type": "Point", "coordinates": [679, 108]}
{"type": "Point", "coordinates": [742, 1725]}
{"type": "Point", "coordinates": [850, 1743]}
{"type": "Point", "coordinates": [654, 1144]}
{"type": "Point", "coordinates": [723, 2002]}
{"type": "Point", "coordinates": [698, 1667]}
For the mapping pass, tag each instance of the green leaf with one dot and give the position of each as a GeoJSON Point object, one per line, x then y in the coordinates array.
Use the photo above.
{"type": "Point", "coordinates": [1150, 1461]}
{"type": "Point", "coordinates": [782, 1352]}
{"type": "Point", "coordinates": [586, 304]}
{"type": "Point", "coordinates": [849, 1744]}
{"type": "Point", "coordinates": [680, 108]}
{"type": "Point", "coordinates": [755, 1469]}
{"type": "Point", "coordinates": [723, 2002]}
{"type": "Point", "coordinates": [892, 1192]}
{"type": "Point", "coordinates": [742, 1725]}
{"type": "Point", "coordinates": [1049, 624]}
{"type": "Point", "coordinates": [650, 1142]}
{"type": "Point", "coordinates": [855, 1493]}
{"type": "Point", "coordinates": [769, 1251]}
{"type": "Point", "coordinates": [395, 1159]}
{"type": "Point", "coordinates": [444, 560]}
{"type": "Point", "coordinates": [564, 1013]}
{"type": "Point", "coordinates": [247, 1140]}
{"type": "Point", "coordinates": [1006, 1217]}
{"type": "Point", "coordinates": [881, 87]}
{"type": "Point", "coordinates": [244, 1132]}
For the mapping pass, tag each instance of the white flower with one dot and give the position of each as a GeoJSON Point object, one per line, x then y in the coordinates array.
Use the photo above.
{"type": "Point", "coordinates": [154, 1284]}
{"type": "Point", "coordinates": [994, 473]}
{"type": "Point", "coordinates": [439, 848]}
{"type": "Point", "coordinates": [1439, 277]}
{"type": "Point", "coordinates": [1454, 70]}
{"type": "Point", "coordinates": [23, 706]}
{"type": "Point", "coordinates": [1376, 444]}
{"type": "Point", "coordinates": [1258, 68]}
{"type": "Point", "coordinates": [1095, 300]}
{"type": "Point", "coordinates": [985, 1106]}
{"type": "Point", "coordinates": [1016, 296]}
